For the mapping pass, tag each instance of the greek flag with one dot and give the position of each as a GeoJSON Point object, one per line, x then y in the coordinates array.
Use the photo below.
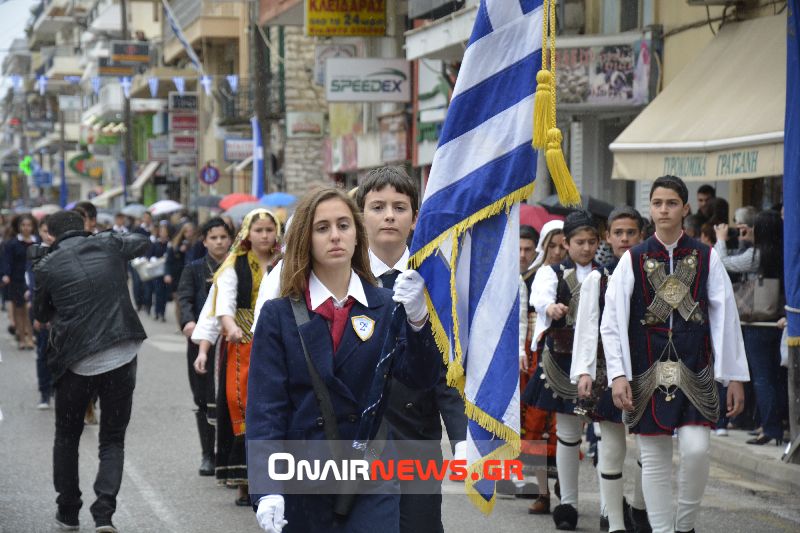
{"type": "Point", "coordinates": [466, 242]}
{"type": "Point", "coordinates": [176, 29]}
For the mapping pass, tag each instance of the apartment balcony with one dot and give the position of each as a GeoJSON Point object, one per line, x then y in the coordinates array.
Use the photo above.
{"type": "Point", "coordinates": [62, 63]}
{"type": "Point", "coordinates": [53, 18]}
{"type": "Point", "coordinates": [281, 12]}
{"type": "Point", "coordinates": [237, 108]}
{"type": "Point", "coordinates": [140, 86]}
{"type": "Point", "coordinates": [208, 20]}
{"type": "Point", "coordinates": [109, 104]}
{"type": "Point", "coordinates": [105, 19]}
{"type": "Point", "coordinates": [433, 9]}
{"type": "Point", "coordinates": [18, 59]}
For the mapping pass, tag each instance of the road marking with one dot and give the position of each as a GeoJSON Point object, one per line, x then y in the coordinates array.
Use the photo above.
{"type": "Point", "coordinates": [149, 494]}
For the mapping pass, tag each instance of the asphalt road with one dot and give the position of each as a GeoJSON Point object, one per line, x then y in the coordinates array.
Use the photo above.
{"type": "Point", "coordinates": [162, 492]}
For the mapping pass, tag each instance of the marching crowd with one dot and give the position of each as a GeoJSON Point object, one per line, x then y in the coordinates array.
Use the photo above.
{"type": "Point", "coordinates": [285, 322]}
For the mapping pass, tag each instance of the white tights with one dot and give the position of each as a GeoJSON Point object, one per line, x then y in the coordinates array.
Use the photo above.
{"type": "Point", "coordinates": [611, 459]}
{"type": "Point", "coordinates": [656, 455]}
{"type": "Point", "coordinates": [568, 431]}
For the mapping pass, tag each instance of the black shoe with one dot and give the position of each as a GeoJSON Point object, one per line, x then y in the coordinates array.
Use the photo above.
{"type": "Point", "coordinates": [12, 330]}
{"type": "Point", "coordinates": [603, 523]}
{"type": "Point", "coordinates": [565, 517]}
{"type": "Point", "coordinates": [528, 491]}
{"type": "Point", "coordinates": [207, 466]}
{"type": "Point", "coordinates": [638, 517]}
{"type": "Point", "coordinates": [763, 439]}
{"type": "Point", "coordinates": [505, 487]}
{"type": "Point", "coordinates": [104, 526]}
{"type": "Point", "coordinates": [67, 522]}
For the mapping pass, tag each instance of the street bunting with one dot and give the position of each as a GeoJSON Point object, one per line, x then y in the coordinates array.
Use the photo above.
{"type": "Point", "coordinates": [345, 18]}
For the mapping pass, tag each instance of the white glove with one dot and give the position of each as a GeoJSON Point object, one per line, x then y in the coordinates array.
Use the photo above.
{"type": "Point", "coordinates": [270, 513]}
{"type": "Point", "coordinates": [409, 290]}
{"type": "Point", "coordinates": [460, 453]}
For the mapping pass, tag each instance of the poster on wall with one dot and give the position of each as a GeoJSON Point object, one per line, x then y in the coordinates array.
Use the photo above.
{"type": "Point", "coordinates": [394, 138]}
{"type": "Point", "coordinates": [304, 124]}
{"type": "Point", "coordinates": [607, 75]}
{"type": "Point", "coordinates": [323, 52]}
{"type": "Point", "coordinates": [345, 18]}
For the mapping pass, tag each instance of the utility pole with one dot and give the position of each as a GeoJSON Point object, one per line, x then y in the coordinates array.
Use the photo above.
{"type": "Point", "coordinates": [127, 134]}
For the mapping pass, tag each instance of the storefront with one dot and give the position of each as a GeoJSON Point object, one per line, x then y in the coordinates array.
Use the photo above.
{"type": "Point", "coordinates": [720, 121]}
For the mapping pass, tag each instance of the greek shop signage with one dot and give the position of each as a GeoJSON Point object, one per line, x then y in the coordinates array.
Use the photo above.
{"type": "Point", "coordinates": [367, 80]}
{"type": "Point", "coordinates": [738, 163]}
{"type": "Point", "coordinates": [345, 18]}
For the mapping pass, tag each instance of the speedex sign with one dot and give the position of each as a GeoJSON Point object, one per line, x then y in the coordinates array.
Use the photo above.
{"type": "Point", "coordinates": [367, 80]}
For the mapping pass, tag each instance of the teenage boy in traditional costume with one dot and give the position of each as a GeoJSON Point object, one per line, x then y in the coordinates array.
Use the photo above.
{"type": "Point", "coordinates": [554, 295]}
{"type": "Point", "coordinates": [670, 328]}
{"type": "Point", "coordinates": [588, 370]}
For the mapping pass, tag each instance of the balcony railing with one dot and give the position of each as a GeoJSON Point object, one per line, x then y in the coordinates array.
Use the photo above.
{"type": "Point", "coordinates": [188, 11]}
{"type": "Point", "coordinates": [237, 108]}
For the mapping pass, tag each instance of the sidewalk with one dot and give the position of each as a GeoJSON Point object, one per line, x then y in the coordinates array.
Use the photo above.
{"type": "Point", "coordinates": [760, 464]}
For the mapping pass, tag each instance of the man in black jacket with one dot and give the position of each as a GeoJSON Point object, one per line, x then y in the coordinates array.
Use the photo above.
{"type": "Point", "coordinates": [192, 292]}
{"type": "Point", "coordinates": [81, 289]}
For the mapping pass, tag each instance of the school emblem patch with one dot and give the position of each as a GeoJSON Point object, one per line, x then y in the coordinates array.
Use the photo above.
{"type": "Point", "coordinates": [363, 326]}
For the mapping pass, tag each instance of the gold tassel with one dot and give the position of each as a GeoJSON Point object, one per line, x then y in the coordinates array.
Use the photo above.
{"type": "Point", "coordinates": [541, 109]}
{"type": "Point", "coordinates": [568, 194]}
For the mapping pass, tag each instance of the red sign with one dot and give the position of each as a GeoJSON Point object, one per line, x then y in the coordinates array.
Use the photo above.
{"type": "Point", "coordinates": [182, 143]}
{"type": "Point", "coordinates": [180, 121]}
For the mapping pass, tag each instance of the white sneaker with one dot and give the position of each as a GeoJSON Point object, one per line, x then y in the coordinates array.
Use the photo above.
{"type": "Point", "coordinates": [721, 432]}
{"type": "Point", "coordinates": [42, 406]}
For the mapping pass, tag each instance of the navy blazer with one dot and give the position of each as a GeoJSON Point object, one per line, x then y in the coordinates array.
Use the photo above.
{"type": "Point", "coordinates": [281, 404]}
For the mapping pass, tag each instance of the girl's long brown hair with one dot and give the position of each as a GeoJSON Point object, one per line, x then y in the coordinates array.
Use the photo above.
{"type": "Point", "coordinates": [297, 260]}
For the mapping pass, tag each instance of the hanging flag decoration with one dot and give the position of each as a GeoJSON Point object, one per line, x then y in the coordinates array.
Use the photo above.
{"type": "Point", "coordinates": [180, 84]}
{"type": "Point", "coordinates": [176, 29]}
{"type": "Point", "coordinates": [96, 83]}
{"type": "Point", "coordinates": [153, 83]}
{"type": "Point", "coordinates": [125, 83]}
{"type": "Point", "coordinates": [205, 81]}
{"type": "Point", "coordinates": [233, 82]}
{"type": "Point", "coordinates": [42, 81]}
{"type": "Point", "coordinates": [16, 82]}
{"type": "Point", "coordinates": [257, 188]}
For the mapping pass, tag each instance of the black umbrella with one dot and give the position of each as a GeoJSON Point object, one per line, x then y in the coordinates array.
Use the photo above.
{"type": "Point", "coordinates": [211, 200]}
{"type": "Point", "coordinates": [596, 207]}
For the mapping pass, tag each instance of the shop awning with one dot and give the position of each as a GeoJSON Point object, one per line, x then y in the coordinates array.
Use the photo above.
{"type": "Point", "coordinates": [145, 175]}
{"type": "Point", "coordinates": [722, 116]}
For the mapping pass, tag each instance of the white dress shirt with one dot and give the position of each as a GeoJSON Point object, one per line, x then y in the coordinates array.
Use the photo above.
{"type": "Point", "coordinates": [269, 290]}
{"type": "Point", "coordinates": [730, 363]}
{"type": "Point", "coordinates": [379, 268]}
{"type": "Point", "coordinates": [543, 293]}
{"type": "Point", "coordinates": [207, 327]}
{"type": "Point", "coordinates": [587, 329]}
{"type": "Point", "coordinates": [319, 293]}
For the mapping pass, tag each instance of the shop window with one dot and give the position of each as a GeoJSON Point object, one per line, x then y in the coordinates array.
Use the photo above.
{"type": "Point", "coordinates": [762, 193]}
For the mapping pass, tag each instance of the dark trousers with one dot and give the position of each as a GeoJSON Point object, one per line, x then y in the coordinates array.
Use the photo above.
{"type": "Point", "coordinates": [42, 372]}
{"type": "Point", "coordinates": [73, 392]}
{"type": "Point", "coordinates": [161, 292]}
{"type": "Point", "coordinates": [202, 385]}
{"type": "Point", "coordinates": [762, 347]}
{"type": "Point", "coordinates": [138, 287]}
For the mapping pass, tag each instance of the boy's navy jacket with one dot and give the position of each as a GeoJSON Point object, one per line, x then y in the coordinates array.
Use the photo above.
{"type": "Point", "coordinates": [281, 404]}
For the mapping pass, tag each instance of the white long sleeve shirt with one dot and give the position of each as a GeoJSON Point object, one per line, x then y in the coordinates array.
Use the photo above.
{"type": "Point", "coordinates": [587, 329]}
{"type": "Point", "coordinates": [543, 293]}
{"type": "Point", "coordinates": [730, 363]}
{"type": "Point", "coordinates": [208, 327]}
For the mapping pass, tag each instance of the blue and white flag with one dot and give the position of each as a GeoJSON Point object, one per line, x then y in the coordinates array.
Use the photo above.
{"type": "Point", "coordinates": [466, 241]}
{"type": "Point", "coordinates": [178, 31]}
{"type": "Point", "coordinates": [180, 84]}
{"type": "Point", "coordinates": [257, 186]}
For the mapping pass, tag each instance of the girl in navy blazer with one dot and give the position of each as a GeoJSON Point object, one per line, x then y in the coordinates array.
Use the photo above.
{"type": "Point", "coordinates": [327, 267]}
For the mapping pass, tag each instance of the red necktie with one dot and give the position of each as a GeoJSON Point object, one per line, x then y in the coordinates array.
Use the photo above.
{"type": "Point", "coordinates": [336, 317]}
